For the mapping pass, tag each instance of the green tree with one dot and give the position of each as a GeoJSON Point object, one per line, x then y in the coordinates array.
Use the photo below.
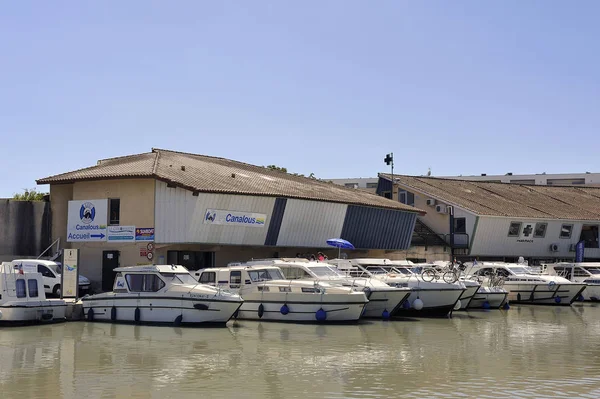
{"type": "Point", "coordinates": [277, 168]}
{"type": "Point", "coordinates": [30, 195]}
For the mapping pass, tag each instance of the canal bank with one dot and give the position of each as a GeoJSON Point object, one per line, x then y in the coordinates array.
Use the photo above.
{"type": "Point", "coordinates": [525, 352]}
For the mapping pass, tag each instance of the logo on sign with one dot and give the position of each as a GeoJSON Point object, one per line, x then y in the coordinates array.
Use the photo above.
{"type": "Point", "coordinates": [71, 268]}
{"type": "Point", "coordinates": [87, 213]}
{"type": "Point", "coordinates": [210, 216]}
{"type": "Point", "coordinates": [120, 284]}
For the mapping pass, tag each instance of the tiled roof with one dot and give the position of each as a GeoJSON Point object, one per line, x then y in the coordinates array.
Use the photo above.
{"type": "Point", "coordinates": [506, 199]}
{"type": "Point", "coordinates": [219, 175]}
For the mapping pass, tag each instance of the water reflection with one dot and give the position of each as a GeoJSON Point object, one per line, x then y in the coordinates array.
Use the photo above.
{"type": "Point", "coordinates": [525, 352]}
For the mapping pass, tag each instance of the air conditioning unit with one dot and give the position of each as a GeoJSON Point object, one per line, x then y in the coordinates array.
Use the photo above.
{"type": "Point", "coordinates": [440, 208]}
{"type": "Point", "coordinates": [553, 247]}
{"type": "Point", "coordinates": [573, 248]}
{"type": "Point", "coordinates": [430, 202]}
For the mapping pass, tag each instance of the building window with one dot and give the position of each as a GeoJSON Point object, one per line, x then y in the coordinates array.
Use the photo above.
{"type": "Point", "coordinates": [351, 185]}
{"type": "Point", "coordinates": [114, 211]}
{"type": "Point", "coordinates": [32, 286]}
{"type": "Point", "coordinates": [540, 230]}
{"type": "Point", "coordinates": [20, 286]}
{"type": "Point", "coordinates": [566, 230]}
{"type": "Point", "coordinates": [208, 278]}
{"type": "Point", "coordinates": [460, 225]}
{"type": "Point", "coordinates": [406, 198]}
{"type": "Point", "coordinates": [371, 185]}
{"type": "Point", "coordinates": [589, 235]}
{"type": "Point", "coordinates": [514, 229]}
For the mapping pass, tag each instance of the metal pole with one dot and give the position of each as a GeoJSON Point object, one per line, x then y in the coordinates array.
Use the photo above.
{"type": "Point", "coordinates": [392, 175]}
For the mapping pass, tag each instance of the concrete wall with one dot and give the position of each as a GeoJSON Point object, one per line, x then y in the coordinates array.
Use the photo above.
{"type": "Point", "coordinates": [24, 228]}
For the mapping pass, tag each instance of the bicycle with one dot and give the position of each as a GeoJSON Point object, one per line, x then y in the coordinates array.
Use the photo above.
{"type": "Point", "coordinates": [448, 274]}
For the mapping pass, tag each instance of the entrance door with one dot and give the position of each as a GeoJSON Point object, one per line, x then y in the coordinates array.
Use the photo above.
{"type": "Point", "coordinates": [110, 261]}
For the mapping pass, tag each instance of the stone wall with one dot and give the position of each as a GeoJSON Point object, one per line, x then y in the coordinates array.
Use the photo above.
{"type": "Point", "coordinates": [25, 228]}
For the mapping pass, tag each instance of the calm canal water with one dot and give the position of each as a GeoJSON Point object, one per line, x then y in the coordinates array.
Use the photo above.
{"type": "Point", "coordinates": [526, 352]}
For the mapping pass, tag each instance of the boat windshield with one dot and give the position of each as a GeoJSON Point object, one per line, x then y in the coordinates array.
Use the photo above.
{"type": "Point", "coordinates": [324, 271]}
{"type": "Point", "coordinates": [593, 270]}
{"type": "Point", "coordinates": [404, 270]}
{"type": "Point", "coordinates": [266, 274]}
{"type": "Point", "coordinates": [377, 270]}
{"type": "Point", "coordinates": [180, 278]}
{"type": "Point", "coordinates": [519, 270]}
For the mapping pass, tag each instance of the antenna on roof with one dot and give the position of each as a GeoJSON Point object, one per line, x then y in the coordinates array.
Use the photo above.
{"type": "Point", "coordinates": [429, 171]}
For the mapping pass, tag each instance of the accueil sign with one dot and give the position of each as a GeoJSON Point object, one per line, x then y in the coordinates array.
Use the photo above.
{"type": "Point", "coordinates": [234, 218]}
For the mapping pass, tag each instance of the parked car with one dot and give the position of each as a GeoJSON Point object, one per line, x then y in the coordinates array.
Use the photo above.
{"type": "Point", "coordinates": [51, 272]}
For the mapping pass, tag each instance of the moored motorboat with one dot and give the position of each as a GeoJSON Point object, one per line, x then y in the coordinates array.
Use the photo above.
{"type": "Point", "coordinates": [384, 301]}
{"type": "Point", "coordinates": [161, 294]}
{"type": "Point", "coordinates": [458, 276]}
{"type": "Point", "coordinates": [587, 273]}
{"type": "Point", "coordinates": [22, 298]}
{"type": "Point", "coordinates": [527, 287]}
{"type": "Point", "coordinates": [269, 296]}
{"type": "Point", "coordinates": [427, 299]}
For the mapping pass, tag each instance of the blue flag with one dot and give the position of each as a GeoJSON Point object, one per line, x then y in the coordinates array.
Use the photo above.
{"type": "Point", "coordinates": [579, 251]}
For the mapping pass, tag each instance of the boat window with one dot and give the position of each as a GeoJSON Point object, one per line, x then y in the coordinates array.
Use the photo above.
{"type": "Point", "coordinates": [263, 288]}
{"type": "Point", "coordinates": [179, 278]}
{"type": "Point", "coordinates": [518, 270]}
{"type": "Point", "coordinates": [235, 277]}
{"type": "Point", "coordinates": [208, 277]}
{"type": "Point", "coordinates": [20, 285]}
{"type": "Point", "coordinates": [376, 270]}
{"type": "Point", "coordinates": [294, 272]}
{"type": "Point", "coordinates": [285, 289]}
{"type": "Point", "coordinates": [403, 270]}
{"type": "Point", "coordinates": [32, 286]}
{"type": "Point", "coordinates": [593, 270]}
{"type": "Point", "coordinates": [144, 282]}
{"type": "Point", "coordinates": [267, 274]}
{"type": "Point", "coordinates": [45, 271]}
{"type": "Point", "coordinates": [579, 272]}
{"type": "Point", "coordinates": [323, 271]}
{"type": "Point", "coordinates": [484, 272]}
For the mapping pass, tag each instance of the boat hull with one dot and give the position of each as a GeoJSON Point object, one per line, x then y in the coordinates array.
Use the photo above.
{"type": "Point", "coordinates": [381, 301]}
{"type": "Point", "coordinates": [436, 302]}
{"type": "Point", "coordinates": [591, 293]}
{"type": "Point", "coordinates": [494, 299]}
{"type": "Point", "coordinates": [543, 294]}
{"type": "Point", "coordinates": [302, 307]}
{"type": "Point", "coordinates": [467, 296]}
{"type": "Point", "coordinates": [159, 310]}
{"type": "Point", "coordinates": [32, 313]}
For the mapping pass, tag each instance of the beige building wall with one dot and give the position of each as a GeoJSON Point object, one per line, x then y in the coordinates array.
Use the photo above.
{"type": "Point", "coordinates": [136, 209]}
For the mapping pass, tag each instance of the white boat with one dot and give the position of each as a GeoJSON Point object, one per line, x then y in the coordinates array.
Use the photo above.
{"type": "Point", "coordinates": [489, 297]}
{"type": "Point", "coordinates": [435, 298]}
{"type": "Point", "coordinates": [384, 301]}
{"type": "Point", "coordinates": [161, 294]}
{"type": "Point", "coordinates": [584, 272]}
{"type": "Point", "coordinates": [525, 286]}
{"type": "Point", "coordinates": [268, 295]}
{"type": "Point", "coordinates": [471, 286]}
{"type": "Point", "coordinates": [23, 300]}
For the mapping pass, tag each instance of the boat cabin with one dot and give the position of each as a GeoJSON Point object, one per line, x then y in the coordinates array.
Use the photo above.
{"type": "Point", "coordinates": [235, 277]}
{"type": "Point", "coordinates": [150, 278]}
{"type": "Point", "coordinates": [510, 271]}
{"type": "Point", "coordinates": [586, 272]}
{"type": "Point", "coordinates": [297, 268]}
{"type": "Point", "coordinates": [21, 283]}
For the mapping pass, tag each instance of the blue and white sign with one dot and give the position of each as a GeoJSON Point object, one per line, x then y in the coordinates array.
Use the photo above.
{"type": "Point", "coordinates": [121, 233]}
{"type": "Point", "coordinates": [234, 218]}
{"type": "Point", "coordinates": [86, 220]}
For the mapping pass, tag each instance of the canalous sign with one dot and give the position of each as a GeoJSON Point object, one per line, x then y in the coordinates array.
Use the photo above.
{"type": "Point", "coordinates": [234, 218]}
{"type": "Point", "coordinates": [86, 220]}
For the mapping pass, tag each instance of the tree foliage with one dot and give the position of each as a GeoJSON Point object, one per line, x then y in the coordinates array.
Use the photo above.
{"type": "Point", "coordinates": [284, 170]}
{"type": "Point", "coordinates": [30, 195]}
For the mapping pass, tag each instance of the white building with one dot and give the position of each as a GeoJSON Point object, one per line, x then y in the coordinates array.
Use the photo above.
{"type": "Point", "coordinates": [495, 221]}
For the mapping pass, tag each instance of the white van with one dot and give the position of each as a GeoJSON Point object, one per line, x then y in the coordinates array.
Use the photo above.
{"type": "Point", "coordinates": [51, 275]}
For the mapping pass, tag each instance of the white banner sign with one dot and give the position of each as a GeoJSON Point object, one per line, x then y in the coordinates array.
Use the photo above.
{"type": "Point", "coordinates": [70, 273]}
{"type": "Point", "coordinates": [234, 218]}
{"type": "Point", "coordinates": [87, 220]}
{"type": "Point", "coordinates": [121, 233]}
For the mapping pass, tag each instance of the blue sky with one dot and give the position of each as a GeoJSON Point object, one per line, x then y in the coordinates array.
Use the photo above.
{"type": "Point", "coordinates": [463, 87]}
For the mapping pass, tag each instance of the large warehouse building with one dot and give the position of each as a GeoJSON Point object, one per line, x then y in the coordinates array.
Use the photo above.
{"type": "Point", "coordinates": [200, 211]}
{"type": "Point", "coordinates": [502, 221]}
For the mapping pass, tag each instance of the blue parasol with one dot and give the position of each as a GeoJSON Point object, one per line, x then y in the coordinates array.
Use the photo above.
{"type": "Point", "coordinates": [339, 244]}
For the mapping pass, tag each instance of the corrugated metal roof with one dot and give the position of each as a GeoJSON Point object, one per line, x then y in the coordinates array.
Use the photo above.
{"type": "Point", "coordinates": [219, 175]}
{"type": "Point", "coordinates": [508, 199]}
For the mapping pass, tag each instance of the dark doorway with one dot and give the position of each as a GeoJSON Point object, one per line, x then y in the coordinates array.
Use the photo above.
{"type": "Point", "coordinates": [110, 261]}
{"type": "Point", "coordinates": [191, 260]}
